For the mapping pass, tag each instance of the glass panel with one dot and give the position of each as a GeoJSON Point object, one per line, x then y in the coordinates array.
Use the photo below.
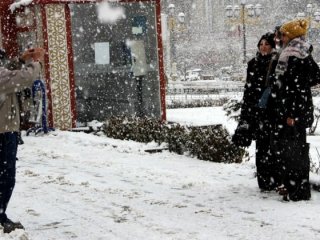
{"type": "Point", "coordinates": [116, 66]}
{"type": "Point", "coordinates": [26, 38]}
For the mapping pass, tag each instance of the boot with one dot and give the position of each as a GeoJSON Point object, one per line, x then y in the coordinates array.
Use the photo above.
{"type": "Point", "coordinates": [9, 226]}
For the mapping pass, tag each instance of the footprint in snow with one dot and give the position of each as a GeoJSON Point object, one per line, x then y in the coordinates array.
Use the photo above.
{"type": "Point", "coordinates": [32, 212]}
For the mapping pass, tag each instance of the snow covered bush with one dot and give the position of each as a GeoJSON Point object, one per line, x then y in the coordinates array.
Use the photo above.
{"type": "Point", "coordinates": [137, 129]}
{"type": "Point", "coordinates": [316, 114]}
{"type": "Point", "coordinates": [197, 103]}
{"type": "Point", "coordinates": [233, 108]}
{"type": "Point", "coordinates": [176, 137]}
{"type": "Point", "coordinates": [210, 143]}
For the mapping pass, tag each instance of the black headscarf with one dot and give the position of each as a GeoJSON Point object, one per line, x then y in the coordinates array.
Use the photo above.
{"type": "Point", "coordinates": [269, 37]}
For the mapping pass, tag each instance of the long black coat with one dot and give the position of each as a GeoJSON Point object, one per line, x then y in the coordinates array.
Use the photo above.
{"type": "Point", "coordinates": [258, 71]}
{"type": "Point", "coordinates": [291, 98]}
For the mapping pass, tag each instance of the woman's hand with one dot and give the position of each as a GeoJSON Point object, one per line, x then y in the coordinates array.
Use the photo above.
{"type": "Point", "coordinates": [33, 54]}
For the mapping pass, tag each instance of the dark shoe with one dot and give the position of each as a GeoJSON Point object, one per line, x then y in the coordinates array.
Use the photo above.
{"type": "Point", "coordinates": [316, 187]}
{"type": "Point", "coordinates": [282, 190]}
{"type": "Point", "coordinates": [300, 191]}
{"type": "Point", "coordinates": [300, 195]}
{"type": "Point", "coordinates": [285, 198]}
{"type": "Point", "coordinates": [9, 226]}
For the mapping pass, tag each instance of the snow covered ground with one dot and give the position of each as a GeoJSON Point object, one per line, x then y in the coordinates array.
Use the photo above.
{"type": "Point", "coordinates": [82, 186]}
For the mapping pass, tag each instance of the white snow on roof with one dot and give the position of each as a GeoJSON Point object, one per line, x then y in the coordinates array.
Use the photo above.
{"type": "Point", "coordinates": [19, 3]}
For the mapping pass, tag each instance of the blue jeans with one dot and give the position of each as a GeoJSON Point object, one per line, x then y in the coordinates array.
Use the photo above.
{"type": "Point", "coordinates": [8, 153]}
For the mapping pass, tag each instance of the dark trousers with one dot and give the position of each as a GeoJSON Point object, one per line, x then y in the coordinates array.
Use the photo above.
{"type": "Point", "coordinates": [8, 153]}
{"type": "Point", "coordinates": [292, 150]}
{"type": "Point", "coordinates": [268, 172]}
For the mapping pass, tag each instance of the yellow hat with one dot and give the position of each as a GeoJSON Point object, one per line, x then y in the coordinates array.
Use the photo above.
{"type": "Point", "coordinates": [295, 28]}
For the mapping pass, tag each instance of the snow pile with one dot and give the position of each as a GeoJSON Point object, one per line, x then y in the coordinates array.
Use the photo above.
{"type": "Point", "coordinates": [95, 125]}
{"type": "Point", "coordinates": [109, 14]}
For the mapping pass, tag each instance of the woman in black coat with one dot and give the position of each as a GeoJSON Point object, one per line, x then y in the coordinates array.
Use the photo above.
{"type": "Point", "coordinates": [253, 122]}
{"type": "Point", "coordinates": [290, 109]}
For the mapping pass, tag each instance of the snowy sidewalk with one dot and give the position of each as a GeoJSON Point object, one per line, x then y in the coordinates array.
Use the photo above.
{"type": "Point", "coordinates": [80, 186]}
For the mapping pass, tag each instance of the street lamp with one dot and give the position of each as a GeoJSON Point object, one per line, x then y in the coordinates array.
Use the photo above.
{"type": "Point", "coordinates": [181, 17]}
{"type": "Point", "coordinates": [317, 16]}
{"type": "Point", "coordinates": [172, 23]}
{"type": "Point", "coordinates": [174, 27]}
{"type": "Point", "coordinates": [309, 9]}
{"type": "Point", "coordinates": [313, 15]}
{"type": "Point", "coordinates": [242, 12]}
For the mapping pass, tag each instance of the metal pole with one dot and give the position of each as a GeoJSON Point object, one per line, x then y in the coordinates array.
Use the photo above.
{"type": "Point", "coordinates": [172, 43]}
{"type": "Point", "coordinates": [309, 35]}
{"type": "Point", "coordinates": [244, 34]}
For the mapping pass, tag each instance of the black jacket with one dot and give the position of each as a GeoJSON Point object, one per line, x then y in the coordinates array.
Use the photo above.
{"type": "Point", "coordinates": [291, 92]}
{"type": "Point", "coordinates": [255, 85]}
{"type": "Point", "coordinates": [253, 120]}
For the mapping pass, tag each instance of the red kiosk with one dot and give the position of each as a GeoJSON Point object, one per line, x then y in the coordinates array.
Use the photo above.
{"type": "Point", "coordinates": [92, 69]}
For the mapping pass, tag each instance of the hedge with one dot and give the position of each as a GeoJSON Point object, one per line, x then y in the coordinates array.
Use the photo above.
{"type": "Point", "coordinates": [210, 143]}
